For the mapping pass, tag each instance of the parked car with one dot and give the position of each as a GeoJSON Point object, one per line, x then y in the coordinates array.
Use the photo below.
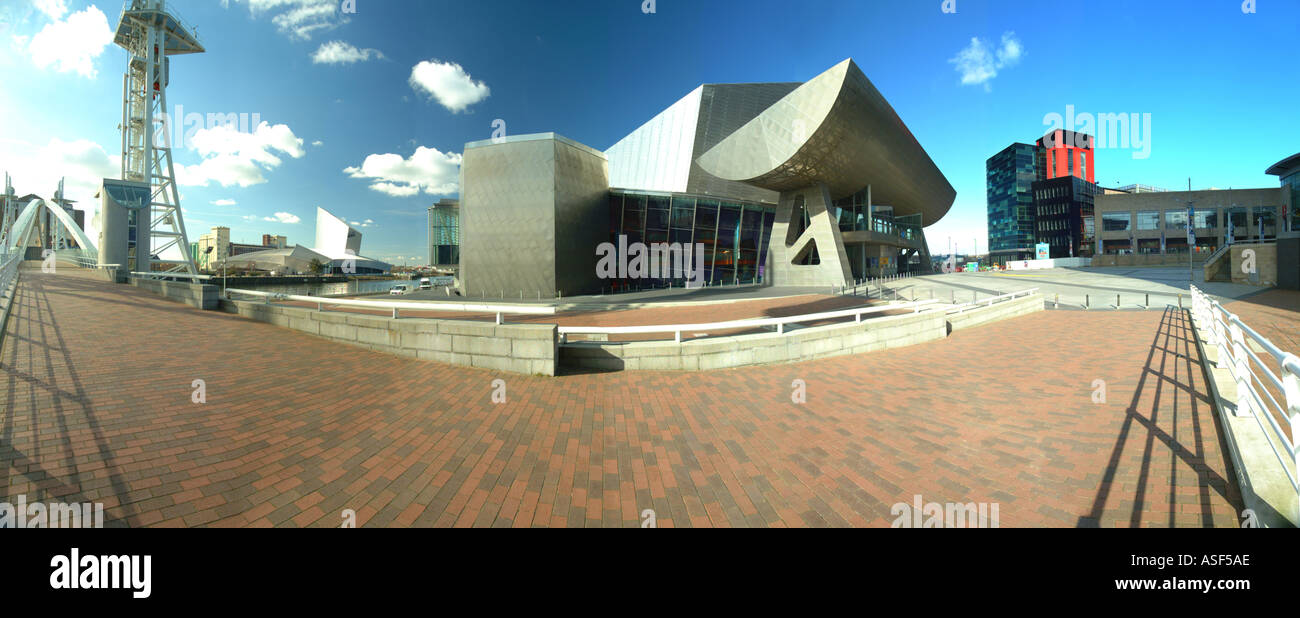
{"type": "Point", "coordinates": [426, 284]}
{"type": "Point", "coordinates": [399, 290]}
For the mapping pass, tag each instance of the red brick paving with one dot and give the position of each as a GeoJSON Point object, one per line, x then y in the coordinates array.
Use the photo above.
{"type": "Point", "coordinates": [1274, 314]}
{"type": "Point", "coordinates": [296, 429]}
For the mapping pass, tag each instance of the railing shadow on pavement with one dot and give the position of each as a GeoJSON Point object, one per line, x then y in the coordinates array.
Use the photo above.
{"type": "Point", "coordinates": [29, 465]}
{"type": "Point", "coordinates": [1156, 379]}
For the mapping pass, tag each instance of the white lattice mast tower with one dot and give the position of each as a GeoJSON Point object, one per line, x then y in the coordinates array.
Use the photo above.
{"type": "Point", "coordinates": [151, 34]}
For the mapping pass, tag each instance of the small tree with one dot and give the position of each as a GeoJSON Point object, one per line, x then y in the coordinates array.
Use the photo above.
{"type": "Point", "coordinates": [317, 267]}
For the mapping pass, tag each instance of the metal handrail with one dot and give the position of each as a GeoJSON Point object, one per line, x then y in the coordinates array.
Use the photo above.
{"type": "Point", "coordinates": [1230, 336]}
{"type": "Point", "coordinates": [779, 323]}
{"type": "Point", "coordinates": [989, 302]}
{"type": "Point", "coordinates": [1217, 252]}
{"type": "Point", "coordinates": [166, 275]}
{"type": "Point", "coordinates": [397, 306]}
{"type": "Point", "coordinates": [8, 271]}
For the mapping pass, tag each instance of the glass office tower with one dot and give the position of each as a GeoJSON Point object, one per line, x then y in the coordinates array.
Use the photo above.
{"type": "Point", "coordinates": [1011, 174]}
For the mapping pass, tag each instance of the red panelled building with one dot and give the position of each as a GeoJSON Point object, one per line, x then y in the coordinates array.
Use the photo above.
{"type": "Point", "coordinates": [1066, 153]}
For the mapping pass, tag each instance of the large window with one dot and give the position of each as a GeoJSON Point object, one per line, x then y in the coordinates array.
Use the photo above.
{"type": "Point", "coordinates": [733, 236]}
{"type": "Point", "coordinates": [1176, 219]}
{"type": "Point", "coordinates": [1206, 219]}
{"type": "Point", "coordinates": [1240, 226]}
{"type": "Point", "coordinates": [1116, 221]}
{"type": "Point", "coordinates": [1294, 181]}
{"type": "Point", "coordinates": [1148, 220]}
{"type": "Point", "coordinates": [726, 255]}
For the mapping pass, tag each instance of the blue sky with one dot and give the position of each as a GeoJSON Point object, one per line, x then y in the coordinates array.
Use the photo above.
{"type": "Point", "coordinates": [367, 112]}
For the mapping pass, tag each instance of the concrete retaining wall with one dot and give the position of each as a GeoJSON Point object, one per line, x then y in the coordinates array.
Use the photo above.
{"type": "Point", "coordinates": [999, 311]}
{"type": "Point", "coordinates": [532, 348]}
{"type": "Point", "coordinates": [759, 349]}
{"type": "Point", "coordinates": [1265, 272]}
{"type": "Point", "coordinates": [516, 348]}
{"type": "Point", "coordinates": [195, 295]}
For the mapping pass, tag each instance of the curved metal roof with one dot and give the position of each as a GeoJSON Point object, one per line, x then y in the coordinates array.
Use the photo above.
{"type": "Point", "coordinates": [836, 129]}
{"type": "Point", "coordinates": [1285, 165]}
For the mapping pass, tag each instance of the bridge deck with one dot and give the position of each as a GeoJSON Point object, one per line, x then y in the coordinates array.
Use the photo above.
{"type": "Point", "coordinates": [96, 406]}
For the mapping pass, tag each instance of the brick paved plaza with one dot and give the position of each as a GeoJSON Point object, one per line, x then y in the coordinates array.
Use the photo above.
{"type": "Point", "coordinates": [296, 429]}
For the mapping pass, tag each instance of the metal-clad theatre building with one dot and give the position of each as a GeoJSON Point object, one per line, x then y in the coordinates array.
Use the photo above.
{"type": "Point", "coordinates": [781, 184]}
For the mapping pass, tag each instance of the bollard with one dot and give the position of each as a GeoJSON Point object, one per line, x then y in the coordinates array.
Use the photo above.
{"type": "Point", "coordinates": [1180, 302]}
{"type": "Point", "coordinates": [1087, 301]}
{"type": "Point", "coordinates": [1148, 306]}
{"type": "Point", "coordinates": [1117, 302]}
{"type": "Point", "coordinates": [1057, 303]}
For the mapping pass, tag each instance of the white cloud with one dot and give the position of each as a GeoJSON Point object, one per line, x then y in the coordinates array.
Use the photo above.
{"type": "Point", "coordinates": [56, 9]}
{"type": "Point", "coordinates": [224, 203]}
{"type": "Point", "coordinates": [449, 84]}
{"type": "Point", "coordinates": [338, 52]}
{"type": "Point", "coordinates": [979, 64]}
{"type": "Point", "coordinates": [299, 19]}
{"type": "Point", "coordinates": [72, 45]}
{"type": "Point", "coordinates": [318, 143]}
{"type": "Point", "coordinates": [232, 157]}
{"type": "Point", "coordinates": [427, 170]}
{"type": "Point", "coordinates": [283, 217]}
{"type": "Point", "coordinates": [82, 164]}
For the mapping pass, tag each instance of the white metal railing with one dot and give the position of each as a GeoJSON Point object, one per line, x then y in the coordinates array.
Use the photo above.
{"type": "Point", "coordinates": [83, 259]}
{"type": "Point", "coordinates": [1215, 255]}
{"type": "Point", "coordinates": [779, 323]}
{"type": "Point", "coordinates": [1232, 338]}
{"type": "Point", "coordinates": [9, 263]}
{"type": "Point", "coordinates": [397, 306]}
{"type": "Point", "coordinates": [988, 302]}
{"type": "Point", "coordinates": [880, 284]}
{"type": "Point", "coordinates": [167, 275]}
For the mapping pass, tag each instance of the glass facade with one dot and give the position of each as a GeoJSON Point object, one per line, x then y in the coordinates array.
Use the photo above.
{"type": "Point", "coordinates": [1240, 226]}
{"type": "Point", "coordinates": [444, 236]}
{"type": "Point", "coordinates": [1176, 219]}
{"type": "Point", "coordinates": [1265, 225]}
{"type": "Point", "coordinates": [1293, 181]}
{"type": "Point", "coordinates": [1010, 176]}
{"type": "Point", "coordinates": [1148, 220]}
{"type": "Point", "coordinates": [851, 212]}
{"type": "Point", "coordinates": [734, 235]}
{"type": "Point", "coordinates": [1116, 221]}
{"type": "Point", "coordinates": [1206, 218]}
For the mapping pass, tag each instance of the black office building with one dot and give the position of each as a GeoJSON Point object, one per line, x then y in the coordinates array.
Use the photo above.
{"type": "Point", "coordinates": [1063, 210]}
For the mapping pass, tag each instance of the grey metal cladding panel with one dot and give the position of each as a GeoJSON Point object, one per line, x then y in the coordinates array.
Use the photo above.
{"type": "Point", "coordinates": [853, 137]}
{"type": "Point", "coordinates": [508, 219]}
{"type": "Point", "coordinates": [724, 109]}
{"type": "Point", "coordinates": [581, 217]}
